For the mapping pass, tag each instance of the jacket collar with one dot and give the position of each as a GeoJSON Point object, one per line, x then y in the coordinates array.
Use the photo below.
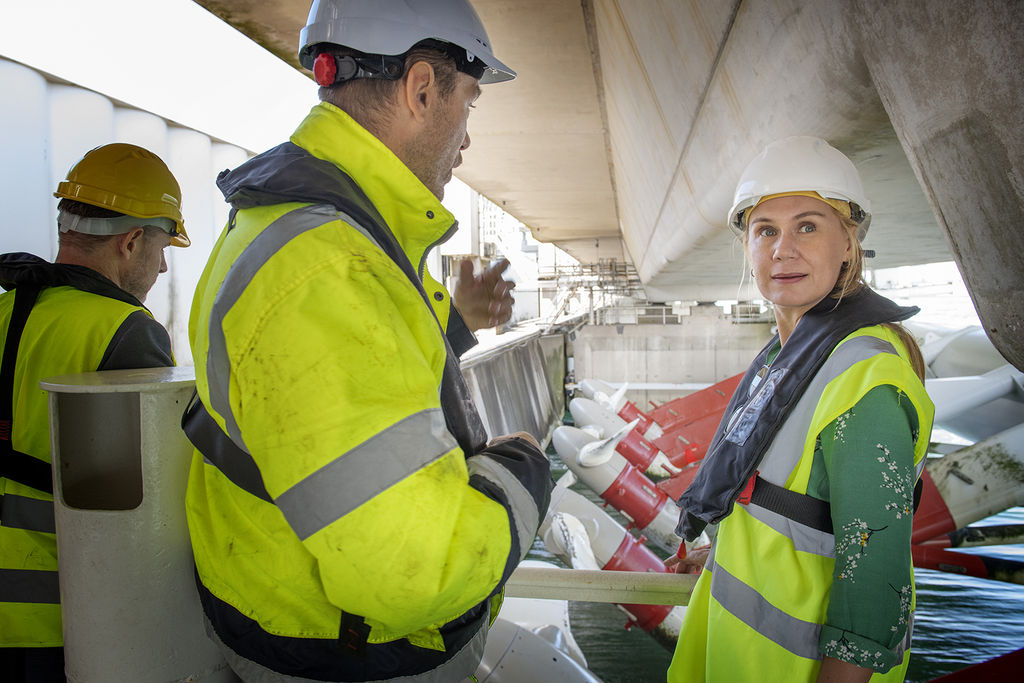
{"type": "Point", "coordinates": [414, 215]}
{"type": "Point", "coordinates": [20, 268]}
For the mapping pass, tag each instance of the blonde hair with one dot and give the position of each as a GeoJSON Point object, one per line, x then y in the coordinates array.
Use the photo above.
{"type": "Point", "coordinates": [851, 280]}
{"type": "Point", "coordinates": [851, 273]}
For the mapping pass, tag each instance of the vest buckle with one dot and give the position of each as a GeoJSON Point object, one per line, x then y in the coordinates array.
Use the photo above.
{"type": "Point", "coordinates": [748, 490]}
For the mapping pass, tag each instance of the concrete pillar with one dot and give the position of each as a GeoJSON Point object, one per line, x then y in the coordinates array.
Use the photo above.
{"type": "Point", "coordinates": [949, 76]}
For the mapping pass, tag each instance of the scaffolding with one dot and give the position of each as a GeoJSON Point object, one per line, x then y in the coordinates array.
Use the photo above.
{"type": "Point", "coordinates": [593, 285]}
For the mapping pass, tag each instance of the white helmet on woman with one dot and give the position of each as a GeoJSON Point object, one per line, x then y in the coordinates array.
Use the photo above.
{"type": "Point", "coordinates": [796, 165]}
{"type": "Point", "coordinates": [391, 27]}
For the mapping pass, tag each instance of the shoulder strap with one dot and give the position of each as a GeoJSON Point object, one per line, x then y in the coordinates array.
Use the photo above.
{"type": "Point", "coordinates": [15, 465]}
{"type": "Point", "coordinates": [799, 507]}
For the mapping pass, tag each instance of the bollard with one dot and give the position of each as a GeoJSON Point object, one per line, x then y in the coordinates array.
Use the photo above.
{"type": "Point", "coordinates": [128, 596]}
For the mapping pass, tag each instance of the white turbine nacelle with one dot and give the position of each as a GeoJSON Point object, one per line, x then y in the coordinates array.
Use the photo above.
{"type": "Point", "coordinates": [597, 419]}
{"type": "Point", "coordinates": [596, 453]}
{"type": "Point", "coordinates": [587, 412]}
{"type": "Point", "coordinates": [568, 539]}
{"type": "Point", "coordinates": [604, 394]}
{"type": "Point", "coordinates": [603, 470]}
{"type": "Point", "coordinates": [580, 533]}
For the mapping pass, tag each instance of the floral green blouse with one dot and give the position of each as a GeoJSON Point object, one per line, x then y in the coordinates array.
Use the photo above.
{"type": "Point", "coordinates": [864, 466]}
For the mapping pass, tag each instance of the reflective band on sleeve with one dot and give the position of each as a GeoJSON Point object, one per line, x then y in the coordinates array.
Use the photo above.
{"type": "Point", "coordinates": [243, 270]}
{"type": "Point", "coordinates": [30, 514]}
{"type": "Point", "coordinates": [524, 507]}
{"type": "Point", "coordinates": [38, 586]}
{"type": "Point", "coordinates": [382, 461]}
{"type": "Point", "coordinates": [746, 604]}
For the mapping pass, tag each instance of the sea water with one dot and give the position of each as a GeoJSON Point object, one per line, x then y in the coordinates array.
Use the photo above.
{"type": "Point", "coordinates": [959, 620]}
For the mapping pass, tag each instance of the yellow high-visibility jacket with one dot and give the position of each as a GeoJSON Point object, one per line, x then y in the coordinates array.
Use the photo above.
{"type": "Point", "coordinates": [758, 608]}
{"type": "Point", "coordinates": [354, 489]}
{"type": "Point", "coordinates": [81, 322]}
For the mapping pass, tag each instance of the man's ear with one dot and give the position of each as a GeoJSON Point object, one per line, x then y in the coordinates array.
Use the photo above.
{"type": "Point", "coordinates": [419, 91]}
{"type": "Point", "coordinates": [130, 243]}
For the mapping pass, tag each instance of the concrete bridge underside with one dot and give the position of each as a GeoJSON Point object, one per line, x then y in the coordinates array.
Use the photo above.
{"type": "Point", "coordinates": [631, 121]}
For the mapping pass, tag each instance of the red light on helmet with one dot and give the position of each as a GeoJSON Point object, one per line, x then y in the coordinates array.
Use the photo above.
{"type": "Point", "coordinates": [324, 69]}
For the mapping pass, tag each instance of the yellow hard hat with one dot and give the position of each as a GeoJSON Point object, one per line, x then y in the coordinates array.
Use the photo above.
{"type": "Point", "coordinates": [130, 180]}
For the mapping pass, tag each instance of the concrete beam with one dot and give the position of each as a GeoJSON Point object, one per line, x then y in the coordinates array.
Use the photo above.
{"type": "Point", "coordinates": [949, 76]}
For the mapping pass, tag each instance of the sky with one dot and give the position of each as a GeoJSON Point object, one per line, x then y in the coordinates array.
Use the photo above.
{"type": "Point", "coordinates": [170, 57]}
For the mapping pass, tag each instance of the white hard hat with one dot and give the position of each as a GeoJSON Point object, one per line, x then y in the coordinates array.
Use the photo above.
{"type": "Point", "coordinates": [391, 27]}
{"type": "Point", "coordinates": [801, 164]}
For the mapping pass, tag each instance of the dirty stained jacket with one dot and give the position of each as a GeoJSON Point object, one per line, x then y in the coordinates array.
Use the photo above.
{"type": "Point", "coordinates": [355, 526]}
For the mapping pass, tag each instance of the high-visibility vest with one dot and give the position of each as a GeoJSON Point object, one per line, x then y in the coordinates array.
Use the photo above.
{"type": "Point", "coordinates": [757, 610]}
{"type": "Point", "coordinates": [68, 331]}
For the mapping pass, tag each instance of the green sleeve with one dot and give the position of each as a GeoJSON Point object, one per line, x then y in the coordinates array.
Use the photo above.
{"type": "Point", "coordinates": [866, 467]}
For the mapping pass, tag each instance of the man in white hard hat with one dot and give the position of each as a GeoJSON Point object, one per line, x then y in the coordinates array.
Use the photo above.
{"type": "Point", "coordinates": [119, 209]}
{"type": "Point", "coordinates": [349, 519]}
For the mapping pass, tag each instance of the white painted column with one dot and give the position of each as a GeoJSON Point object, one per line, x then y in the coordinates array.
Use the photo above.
{"type": "Point", "coordinates": [80, 120]}
{"type": "Point", "coordinates": [25, 193]}
{"type": "Point", "coordinates": [128, 598]}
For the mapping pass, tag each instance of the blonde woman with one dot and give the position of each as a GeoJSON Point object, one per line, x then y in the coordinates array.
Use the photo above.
{"type": "Point", "coordinates": [811, 475]}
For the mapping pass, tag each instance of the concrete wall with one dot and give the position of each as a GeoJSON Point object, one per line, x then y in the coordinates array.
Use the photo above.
{"type": "Point", "coordinates": [705, 348]}
{"type": "Point", "coordinates": [48, 126]}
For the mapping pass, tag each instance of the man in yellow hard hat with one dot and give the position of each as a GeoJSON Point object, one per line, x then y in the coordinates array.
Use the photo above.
{"type": "Point", "coordinates": [349, 518]}
{"type": "Point", "coordinates": [119, 208]}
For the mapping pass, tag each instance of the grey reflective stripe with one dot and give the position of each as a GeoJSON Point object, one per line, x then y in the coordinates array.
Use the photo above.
{"type": "Point", "coordinates": [240, 275]}
{"type": "Point", "coordinates": [30, 514]}
{"type": "Point", "coordinates": [355, 477]}
{"type": "Point", "coordinates": [787, 447]}
{"type": "Point", "coordinates": [746, 604]}
{"type": "Point", "coordinates": [904, 644]}
{"type": "Point", "coordinates": [524, 507]}
{"type": "Point", "coordinates": [38, 586]}
{"type": "Point", "coordinates": [804, 538]}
